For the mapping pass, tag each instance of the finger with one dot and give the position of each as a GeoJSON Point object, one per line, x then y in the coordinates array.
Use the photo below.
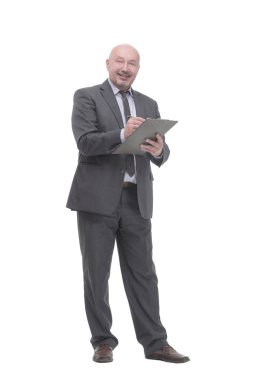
{"type": "Point", "coordinates": [159, 137]}
{"type": "Point", "coordinates": [138, 123]}
{"type": "Point", "coordinates": [151, 150]}
{"type": "Point", "coordinates": [140, 118]}
{"type": "Point", "coordinates": [136, 119]}
{"type": "Point", "coordinates": [151, 142]}
{"type": "Point", "coordinates": [147, 148]}
{"type": "Point", "coordinates": [134, 122]}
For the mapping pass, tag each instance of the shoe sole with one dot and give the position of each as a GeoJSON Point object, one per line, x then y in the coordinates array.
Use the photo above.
{"type": "Point", "coordinates": [185, 360]}
{"type": "Point", "coordinates": [106, 360]}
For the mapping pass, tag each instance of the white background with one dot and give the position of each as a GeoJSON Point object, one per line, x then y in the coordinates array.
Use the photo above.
{"type": "Point", "coordinates": [196, 61]}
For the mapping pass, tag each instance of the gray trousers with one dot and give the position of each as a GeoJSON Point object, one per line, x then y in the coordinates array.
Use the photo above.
{"type": "Point", "coordinates": [132, 233]}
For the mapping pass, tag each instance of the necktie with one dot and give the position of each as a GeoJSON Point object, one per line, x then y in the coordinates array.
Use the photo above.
{"type": "Point", "coordinates": [127, 113]}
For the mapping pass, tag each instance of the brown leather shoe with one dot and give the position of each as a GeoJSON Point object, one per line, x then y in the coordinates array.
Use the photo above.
{"type": "Point", "coordinates": [103, 354]}
{"type": "Point", "coordinates": [168, 354]}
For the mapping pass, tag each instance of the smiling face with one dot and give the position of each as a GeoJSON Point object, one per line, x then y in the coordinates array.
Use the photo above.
{"type": "Point", "coordinates": [123, 65]}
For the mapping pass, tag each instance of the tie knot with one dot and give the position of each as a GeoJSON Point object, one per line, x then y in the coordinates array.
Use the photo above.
{"type": "Point", "coordinates": [124, 93]}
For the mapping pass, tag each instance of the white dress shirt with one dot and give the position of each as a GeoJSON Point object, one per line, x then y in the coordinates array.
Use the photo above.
{"type": "Point", "coordinates": [130, 99]}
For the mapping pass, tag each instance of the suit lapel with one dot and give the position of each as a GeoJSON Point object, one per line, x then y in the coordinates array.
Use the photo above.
{"type": "Point", "coordinates": [110, 99]}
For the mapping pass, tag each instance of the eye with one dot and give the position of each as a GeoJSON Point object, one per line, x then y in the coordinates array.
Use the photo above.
{"type": "Point", "coordinates": [132, 63]}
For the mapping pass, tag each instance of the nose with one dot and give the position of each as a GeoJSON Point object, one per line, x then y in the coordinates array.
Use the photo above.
{"type": "Point", "coordinates": [125, 67]}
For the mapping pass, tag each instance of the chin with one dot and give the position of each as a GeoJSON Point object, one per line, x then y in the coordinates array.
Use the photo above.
{"type": "Point", "coordinates": [124, 85]}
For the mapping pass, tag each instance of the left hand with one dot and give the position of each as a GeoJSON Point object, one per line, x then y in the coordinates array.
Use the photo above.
{"type": "Point", "coordinates": [155, 148]}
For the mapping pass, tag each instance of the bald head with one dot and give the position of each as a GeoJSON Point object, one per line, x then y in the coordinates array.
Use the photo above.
{"type": "Point", "coordinates": [123, 66]}
{"type": "Point", "coordinates": [125, 49]}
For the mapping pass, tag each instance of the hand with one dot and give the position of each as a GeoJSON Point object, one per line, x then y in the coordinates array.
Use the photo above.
{"type": "Point", "coordinates": [132, 124]}
{"type": "Point", "coordinates": [155, 148]}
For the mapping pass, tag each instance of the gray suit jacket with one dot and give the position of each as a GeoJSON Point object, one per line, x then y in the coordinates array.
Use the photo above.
{"type": "Point", "coordinates": [96, 123]}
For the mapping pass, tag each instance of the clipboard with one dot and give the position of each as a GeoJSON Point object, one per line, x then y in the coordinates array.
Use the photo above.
{"type": "Point", "coordinates": [148, 130]}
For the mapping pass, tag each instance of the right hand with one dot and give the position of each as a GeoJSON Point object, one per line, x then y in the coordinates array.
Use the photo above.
{"type": "Point", "coordinates": [132, 124]}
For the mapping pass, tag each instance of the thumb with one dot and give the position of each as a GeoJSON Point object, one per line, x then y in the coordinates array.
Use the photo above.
{"type": "Point", "coordinates": [159, 137]}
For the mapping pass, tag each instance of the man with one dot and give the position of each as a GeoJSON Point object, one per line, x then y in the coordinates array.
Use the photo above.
{"type": "Point", "coordinates": [113, 197]}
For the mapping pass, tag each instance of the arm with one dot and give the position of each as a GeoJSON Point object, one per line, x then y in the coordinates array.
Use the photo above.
{"type": "Point", "coordinates": [89, 140]}
{"type": "Point", "coordinates": [162, 157]}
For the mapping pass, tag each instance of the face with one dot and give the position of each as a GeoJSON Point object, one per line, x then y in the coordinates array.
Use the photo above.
{"type": "Point", "coordinates": [123, 66]}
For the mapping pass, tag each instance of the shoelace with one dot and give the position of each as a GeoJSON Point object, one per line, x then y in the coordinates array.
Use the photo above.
{"type": "Point", "coordinates": [168, 348]}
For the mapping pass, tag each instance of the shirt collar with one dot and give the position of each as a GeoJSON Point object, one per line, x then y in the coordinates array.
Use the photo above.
{"type": "Point", "coordinates": [116, 90]}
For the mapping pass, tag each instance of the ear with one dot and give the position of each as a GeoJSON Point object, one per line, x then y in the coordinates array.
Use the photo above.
{"type": "Point", "coordinates": [107, 63]}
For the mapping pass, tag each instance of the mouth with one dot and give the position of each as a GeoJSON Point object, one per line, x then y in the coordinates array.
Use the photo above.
{"type": "Point", "coordinates": [124, 76]}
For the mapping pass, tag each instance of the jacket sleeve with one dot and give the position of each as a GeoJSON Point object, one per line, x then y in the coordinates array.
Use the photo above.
{"type": "Point", "coordinates": [166, 152]}
{"type": "Point", "coordinates": [90, 141]}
